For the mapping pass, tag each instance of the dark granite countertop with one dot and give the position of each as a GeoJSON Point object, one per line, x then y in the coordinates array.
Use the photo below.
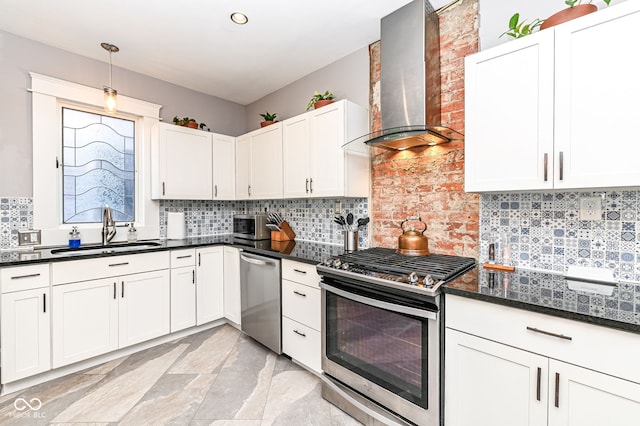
{"type": "Point", "coordinates": [300, 251]}
{"type": "Point", "coordinates": [549, 293]}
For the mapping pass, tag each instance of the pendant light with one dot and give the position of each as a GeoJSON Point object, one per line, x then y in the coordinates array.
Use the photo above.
{"type": "Point", "coordinates": [110, 93]}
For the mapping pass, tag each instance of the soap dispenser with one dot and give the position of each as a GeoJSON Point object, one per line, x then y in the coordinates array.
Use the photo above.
{"type": "Point", "coordinates": [74, 237]}
{"type": "Point", "coordinates": [132, 234]}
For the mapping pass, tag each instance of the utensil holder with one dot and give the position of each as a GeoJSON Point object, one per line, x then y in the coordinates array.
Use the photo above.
{"type": "Point", "coordinates": [350, 241]}
{"type": "Point", "coordinates": [285, 233]}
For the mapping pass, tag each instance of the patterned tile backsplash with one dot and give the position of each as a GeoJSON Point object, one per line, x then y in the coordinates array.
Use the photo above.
{"type": "Point", "coordinates": [311, 219]}
{"type": "Point", "coordinates": [544, 231]}
{"type": "Point", "coordinates": [15, 214]}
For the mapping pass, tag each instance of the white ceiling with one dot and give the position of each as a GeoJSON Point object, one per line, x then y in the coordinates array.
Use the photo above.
{"type": "Point", "coordinates": [194, 44]}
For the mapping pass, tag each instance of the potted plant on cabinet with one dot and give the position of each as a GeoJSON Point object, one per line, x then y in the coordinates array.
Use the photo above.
{"type": "Point", "coordinates": [320, 99]}
{"type": "Point", "coordinates": [189, 122]}
{"type": "Point", "coordinates": [575, 10]}
{"type": "Point", "coordinates": [268, 119]}
{"type": "Point", "coordinates": [519, 29]}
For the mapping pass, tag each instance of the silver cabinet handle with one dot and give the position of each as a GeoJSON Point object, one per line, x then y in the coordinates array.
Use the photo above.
{"type": "Point", "coordinates": [255, 261]}
{"type": "Point", "coordinates": [561, 157]}
{"type": "Point", "coordinates": [118, 264]}
{"type": "Point", "coordinates": [19, 277]}
{"type": "Point", "coordinates": [299, 294]}
{"type": "Point", "coordinates": [546, 166]}
{"type": "Point", "coordinates": [306, 185]}
{"type": "Point", "coordinates": [299, 333]}
{"type": "Point", "coordinates": [300, 271]}
{"type": "Point", "coordinates": [548, 333]}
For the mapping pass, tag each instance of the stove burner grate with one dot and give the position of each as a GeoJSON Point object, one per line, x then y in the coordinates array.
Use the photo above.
{"type": "Point", "coordinates": [386, 260]}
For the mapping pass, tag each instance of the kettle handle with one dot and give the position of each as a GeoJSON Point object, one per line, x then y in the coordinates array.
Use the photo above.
{"type": "Point", "coordinates": [410, 218]}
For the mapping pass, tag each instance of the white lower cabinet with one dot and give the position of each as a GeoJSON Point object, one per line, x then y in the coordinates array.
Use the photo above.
{"type": "Point", "coordinates": [183, 289]}
{"type": "Point", "coordinates": [209, 284]}
{"type": "Point", "coordinates": [301, 317]}
{"type": "Point", "coordinates": [232, 298]}
{"type": "Point", "coordinates": [25, 336]}
{"type": "Point", "coordinates": [489, 382]}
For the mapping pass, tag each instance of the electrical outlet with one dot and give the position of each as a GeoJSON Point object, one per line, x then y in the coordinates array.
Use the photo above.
{"type": "Point", "coordinates": [29, 238]}
{"type": "Point", "coordinates": [590, 208]}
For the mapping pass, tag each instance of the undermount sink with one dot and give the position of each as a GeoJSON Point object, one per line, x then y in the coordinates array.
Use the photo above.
{"type": "Point", "coordinates": [110, 248]}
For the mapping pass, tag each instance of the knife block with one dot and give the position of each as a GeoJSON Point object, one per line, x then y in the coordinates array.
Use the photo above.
{"type": "Point", "coordinates": [285, 233]}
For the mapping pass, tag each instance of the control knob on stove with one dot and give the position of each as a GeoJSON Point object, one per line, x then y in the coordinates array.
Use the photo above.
{"type": "Point", "coordinates": [337, 263]}
{"type": "Point", "coordinates": [413, 278]}
{"type": "Point", "coordinates": [428, 281]}
{"type": "Point", "coordinates": [345, 266]}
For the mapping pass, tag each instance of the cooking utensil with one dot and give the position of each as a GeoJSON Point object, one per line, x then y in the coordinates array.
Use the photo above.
{"type": "Point", "coordinates": [412, 242]}
{"type": "Point", "coordinates": [273, 227]}
{"type": "Point", "coordinates": [350, 219]}
{"type": "Point", "coordinates": [362, 222]}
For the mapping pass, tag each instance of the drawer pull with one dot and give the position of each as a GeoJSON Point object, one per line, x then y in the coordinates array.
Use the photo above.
{"type": "Point", "coordinates": [299, 333]}
{"type": "Point", "coordinates": [18, 277]}
{"type": "Point", "coordinates": [556, 400]}
{"type": "Point", "coordinates": [548, 333]}
{"type": "Point", "coordinates": [299, 294]}
{"type": "Point", "coordinates": [118, 264]}
{"type": "Point", "coordinates": [198, 259]}
{"type": "Point", "coordinates": [114, 290]}
{"type": "Point", "coordinates": [300, 271]}
{"type": "Point", "coordinates": [546, 165]}
{"type": "Point", "coordinates": [184, 257]}
{"type": "Point", "coordinates": [44, 303]}
{"type": "Point", "coordinates": [193, 276]}
{"type": "Point", "coordinates": [538, 384]}
{"type": "Point", "coordinates": [122, 290]}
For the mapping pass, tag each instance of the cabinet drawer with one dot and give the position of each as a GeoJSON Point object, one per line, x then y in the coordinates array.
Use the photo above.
{"type": "Point", "coordinates": [301, 303]}
{"type": "Point", "coordinates": [90, 269]}
{"type": "Point", "coordinates": [583, 344]}
{"type": "Point", "coordinates": [304, 273]}
{"type": "Point", "coordinates": [180, 258]}
{"type": "Point", "coordinates": [301, 343]}
{"type": "Point", "coordinates": [24, 277]}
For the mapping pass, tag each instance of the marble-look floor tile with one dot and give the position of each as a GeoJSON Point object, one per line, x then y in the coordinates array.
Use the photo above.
{"type": "Point", "coordinates": [111, 401]}
{"type": "Point", "coordinates": [210, 355]}
{"type": "Point", "coordinates": [172, 401]}
{"type": "Point", "coordinates": [107, 367]}
{"type": "Point", "coordinates": [225, 423]}
{"type": "Point", "coordinates": [287, 391]}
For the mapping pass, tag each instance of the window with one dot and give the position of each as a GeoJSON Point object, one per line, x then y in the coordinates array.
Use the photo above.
{"type": "Point", "coordinates": [98, 166]}
{"type": "Point", "coordinates": [62, 113]}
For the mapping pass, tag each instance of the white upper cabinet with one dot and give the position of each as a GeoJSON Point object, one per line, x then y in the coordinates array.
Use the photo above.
{"type": "Point", "coordinates": [181, 163]}
{"type": "Point", "coordinates": [224, 167]}
{"type": "Point", "coordinates": [259, 164]}
{"type": "Point", "coordinates": [315, 164]}
{"type": "Point", "coordinates": [556, 109]}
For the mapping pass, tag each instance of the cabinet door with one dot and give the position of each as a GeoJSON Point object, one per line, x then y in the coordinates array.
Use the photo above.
{"type": "Point", "coordinates": [487, 383]}
{"type": "Point", "coordinates": [243, 166]}
{"type": "Point", "coordinates": [209, 284]}
{"type": "Point", "coordinates": [597, 89]}
{"type": "Point", "coordinates": [25, 335]}
{"type": "Point", "coordinates": [509, 116]}
{"type": "Point", "coordinates": [582, 397]}
{"type": "Point", "coordinates": [232, 301]}
{"type": "Point", "coordinates": [143, 307]}
{"type": "Point", "coordinates": [185, 163]}
{"type": "Point", "coordinates": [183, 298]}
{"type": "Point", "coordinates": [224, 167]}
{"type": "Point", "coordinates": [85, 320]}
{"type": "Point", "coordinates": [295, 154]}
{"type": "Point", "coordinates": [266, 163]}
{"type": "Point", "coordinates": [302, 343]}
{"type": "Point", "coordinates": [326, 153]}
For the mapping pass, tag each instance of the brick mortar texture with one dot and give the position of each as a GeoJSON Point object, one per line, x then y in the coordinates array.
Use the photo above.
{"type": "Point", "coordinates": [429, 181]}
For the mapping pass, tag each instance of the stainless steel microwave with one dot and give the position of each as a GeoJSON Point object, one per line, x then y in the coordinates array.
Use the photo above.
{"type": "Point", "coordinates": [251, 226]}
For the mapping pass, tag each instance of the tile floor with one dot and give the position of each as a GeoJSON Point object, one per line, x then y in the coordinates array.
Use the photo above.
{"type": "Point", "coordinates": [217, 377]}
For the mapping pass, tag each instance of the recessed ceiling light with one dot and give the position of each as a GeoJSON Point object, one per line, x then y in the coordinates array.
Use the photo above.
{"type": "Point", "coordinates": [239, 18]}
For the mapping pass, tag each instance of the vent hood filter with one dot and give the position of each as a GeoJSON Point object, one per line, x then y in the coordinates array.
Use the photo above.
{"type": "Point", "coordinates": [410, 80]}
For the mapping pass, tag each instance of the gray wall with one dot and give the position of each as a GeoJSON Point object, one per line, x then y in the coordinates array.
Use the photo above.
{"type": "Point", "coordinates": [347, 78]}
{"type": "Point", "coordinates": [19, 56]}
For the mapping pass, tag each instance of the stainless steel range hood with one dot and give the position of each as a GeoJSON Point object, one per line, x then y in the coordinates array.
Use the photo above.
{"type": "Point", "coordinates": [410, 80]}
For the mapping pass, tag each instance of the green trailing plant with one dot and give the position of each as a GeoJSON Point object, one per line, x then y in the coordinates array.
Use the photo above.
{"type": "Point", "coordinates": [317, 96]}
{"type": "Point", "coordinates": [572, 3]}
{"type": "Point", "coordinates": [268, 116]}
{"type": "Point", "coordinates": [519, 29]}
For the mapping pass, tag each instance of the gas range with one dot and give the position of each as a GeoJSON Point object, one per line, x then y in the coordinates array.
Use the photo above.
{"type": "Point", "coordinates": [383, 267]}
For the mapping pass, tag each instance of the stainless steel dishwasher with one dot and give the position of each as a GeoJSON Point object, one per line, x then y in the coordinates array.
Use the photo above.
{"type": "Point", "coordinates": [260, 283]}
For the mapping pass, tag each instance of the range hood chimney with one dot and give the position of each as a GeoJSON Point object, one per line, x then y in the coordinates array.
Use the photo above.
{"type": "Point", "coordinates": [410, 80]}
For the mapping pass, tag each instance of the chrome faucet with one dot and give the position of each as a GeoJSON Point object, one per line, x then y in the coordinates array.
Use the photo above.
{"type": "Point", "coordinates": [107, 221]}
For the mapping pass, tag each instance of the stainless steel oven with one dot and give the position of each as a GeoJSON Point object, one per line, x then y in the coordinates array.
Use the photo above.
{"type": "Point", "coordinates": [381, 322]}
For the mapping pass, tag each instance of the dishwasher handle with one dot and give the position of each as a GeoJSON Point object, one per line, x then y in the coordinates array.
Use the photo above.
{"type": "Point", "coordinates": [262, 261]}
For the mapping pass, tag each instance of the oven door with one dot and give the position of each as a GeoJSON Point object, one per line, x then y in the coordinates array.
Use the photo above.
{"type": "Point", "coordinates": [383, 346]}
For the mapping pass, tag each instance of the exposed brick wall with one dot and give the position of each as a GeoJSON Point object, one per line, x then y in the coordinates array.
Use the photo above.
{"type": "Point", "coordinates": [429, 181]}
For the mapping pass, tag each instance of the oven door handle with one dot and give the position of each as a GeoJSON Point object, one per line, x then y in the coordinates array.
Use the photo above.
{"type": "Point", "coordinates": [381, 304]}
